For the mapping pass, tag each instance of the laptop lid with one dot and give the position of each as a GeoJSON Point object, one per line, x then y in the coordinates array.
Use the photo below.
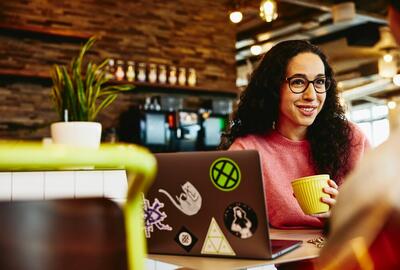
{"type": "Point", "coordinates": [209, 204]}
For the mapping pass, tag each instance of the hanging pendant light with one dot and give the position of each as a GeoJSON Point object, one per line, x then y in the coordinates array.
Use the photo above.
{"type": "Point", "coordinates": [268, 10]}
{"type": "Point", "coordinates": [387, 64]}
{"type": "Point", "coordinates": [235, 14]}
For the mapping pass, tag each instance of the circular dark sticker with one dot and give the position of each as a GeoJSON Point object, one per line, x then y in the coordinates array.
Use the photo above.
{"type": "Point", "coordinates": [240, 220]}
{"type": "Point", "coordinates": [185, 239]}
{"type": "Point", "coordinates": [225, 174]}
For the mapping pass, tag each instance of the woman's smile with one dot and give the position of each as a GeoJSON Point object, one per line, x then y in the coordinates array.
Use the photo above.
{"type": "Point", "coordinates": [307, 110]}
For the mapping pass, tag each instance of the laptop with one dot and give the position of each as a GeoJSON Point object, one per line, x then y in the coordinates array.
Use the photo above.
{"type": "Point", "coordinates": [210, 204]}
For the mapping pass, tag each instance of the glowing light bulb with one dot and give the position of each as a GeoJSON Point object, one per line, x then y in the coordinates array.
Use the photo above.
{"type": "Point", "coordinates": [388, 58]}
{"type": "Point", "coordinates": [392, 104]}
{"type": "Point", "coordinates": [396, 79]}
{"type": "Point", "coordinates": [236, 16]}
{"type": "Point", "coordinates": [268, 10]}
{"type": "Point", "coordinates": [255, 49]}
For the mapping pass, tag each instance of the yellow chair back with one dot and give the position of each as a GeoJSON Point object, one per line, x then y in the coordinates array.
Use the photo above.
{"type": "Point", "coordinates": [139, 163]}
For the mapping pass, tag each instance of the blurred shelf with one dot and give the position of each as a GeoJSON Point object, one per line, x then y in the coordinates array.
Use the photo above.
{"type": "Point", "coordinates": [24, 73]}
{"type": "Point", "coordinates": [15, 75]}
{"type": "Point", "coordinates": [142, 87]}
{"type": "Point", "coordinates": [36, 31]}
{"type": "Point", "coordinates": [164, 88]}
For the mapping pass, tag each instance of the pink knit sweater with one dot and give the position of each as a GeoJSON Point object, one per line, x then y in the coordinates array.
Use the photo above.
{"type": "Point", "coordinates": [283, 160]}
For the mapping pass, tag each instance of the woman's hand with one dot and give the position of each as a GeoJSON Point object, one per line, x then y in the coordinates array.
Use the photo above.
{"type": "Point", "coordinates": [333, 191]}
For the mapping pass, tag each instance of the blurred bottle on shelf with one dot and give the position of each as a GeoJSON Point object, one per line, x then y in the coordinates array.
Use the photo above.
{"type": "Point", "coordinates": [172, 75]}
{"type": "Point", "coordinates": [110, 135]}
{"type": "Point", "coordinates": [130, 71]}
{"type": "Point", "coordinates": [142, 72]}
{"type": "Point", "coordinates": [152, 73]}
{"type": "Point", "coordinates": [120, 73]}
{"type": "Point", "coordinates": [113, 138]}
{"type": "Point", "coordinates": [110, 69]}
{"type": "Point", "coordinates": [192, 80]}
{"type": "Point", "coordinates": [182, 76]}
{"type": "Point", "coordinates": [157, 105]}
{"type": "Point", "coordinates": [162, 74]}
{"type": "Point", "coordinates": [147, 103]}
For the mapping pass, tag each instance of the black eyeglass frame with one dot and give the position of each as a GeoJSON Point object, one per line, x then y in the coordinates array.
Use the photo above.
{"type": "Point", "coordinates": [327, 84]}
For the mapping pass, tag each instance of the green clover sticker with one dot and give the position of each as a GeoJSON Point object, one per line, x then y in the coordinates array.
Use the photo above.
{"type": "Point", "coordinates": [225, 174]}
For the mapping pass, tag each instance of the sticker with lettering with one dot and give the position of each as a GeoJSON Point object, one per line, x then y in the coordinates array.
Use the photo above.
{"type": "Point", "coordinates": [154, 217]}
{"type": "Point", "coordinates": [240, 219]}
{"type": "Point", "coordinates": [225, 174]}
{"type": "Point", "coordinates": [215, 242]}
{"type": "Point", "coordinates": [185, 239]}
{"type": "Point", "coordinates": [188, 202]}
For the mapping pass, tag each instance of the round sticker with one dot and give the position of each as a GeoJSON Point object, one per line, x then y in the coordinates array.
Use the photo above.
{"type": "Point", "coordinates": [240, 220]}
{"type": "Point", "coordinates": [185, 239]}
{"type": "Point", "coordinates": [225, 174]}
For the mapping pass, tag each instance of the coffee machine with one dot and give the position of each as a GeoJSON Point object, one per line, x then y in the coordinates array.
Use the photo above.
{"type": "Point", "coordinates": [169, 127]}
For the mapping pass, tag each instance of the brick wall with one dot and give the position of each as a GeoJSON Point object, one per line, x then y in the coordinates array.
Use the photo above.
{"type": "Point", "coordinates": [179, 32]}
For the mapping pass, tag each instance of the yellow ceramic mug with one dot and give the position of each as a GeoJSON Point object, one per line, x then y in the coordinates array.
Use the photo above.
{"type": "Point", "coordinates": [308, 192]}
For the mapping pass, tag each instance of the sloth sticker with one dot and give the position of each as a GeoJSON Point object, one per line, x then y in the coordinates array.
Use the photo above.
{"type": "Point", "coordinates": [188, 202]}
{"type": "Point", "coordinates": [240, 220]}
{"type": "Point", "coordinates": [225, 174]}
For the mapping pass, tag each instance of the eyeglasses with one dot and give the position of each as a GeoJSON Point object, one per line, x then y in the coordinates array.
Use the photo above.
{"type": "Point", "coordinates": [299, 84]}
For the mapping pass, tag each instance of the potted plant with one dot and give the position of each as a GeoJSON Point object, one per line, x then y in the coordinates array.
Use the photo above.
{"type": "Point", "coordinates": [79, 94]}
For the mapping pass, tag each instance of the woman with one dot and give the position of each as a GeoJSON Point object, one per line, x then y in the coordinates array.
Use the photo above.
{"type": "Point", "coordinates": [290, 113]}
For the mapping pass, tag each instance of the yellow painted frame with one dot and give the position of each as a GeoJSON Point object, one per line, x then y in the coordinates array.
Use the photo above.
{"type": "Point", "coordinates": [139, 163]}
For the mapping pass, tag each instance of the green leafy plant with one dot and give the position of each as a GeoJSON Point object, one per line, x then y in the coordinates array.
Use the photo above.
{"type": "Point", "coordinates": [83, 94]}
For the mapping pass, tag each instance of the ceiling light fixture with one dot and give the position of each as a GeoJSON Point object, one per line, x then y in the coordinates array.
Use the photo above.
{"type": "Point", "coordinates": [396, 79]}
{"type": "Point", "coordinates": [391, 104]}
{"type": "Point", "coordinates": [236, 16]}
{"type": "Point", "coordinates": [256, 50]}
{"type": "Point", "coordinates": [388, 57]}
{"type": "Point", "coordinates": [387, 64]}
{"type": "Point", "coordinates": [268, 10]}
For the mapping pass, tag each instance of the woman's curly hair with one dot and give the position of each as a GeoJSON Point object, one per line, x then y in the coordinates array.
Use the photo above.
{"type": "Point", "coordinates": [258, 110]}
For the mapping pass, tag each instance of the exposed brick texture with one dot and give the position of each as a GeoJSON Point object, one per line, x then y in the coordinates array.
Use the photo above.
{"type": "Point", "coordinates": [179, 32]}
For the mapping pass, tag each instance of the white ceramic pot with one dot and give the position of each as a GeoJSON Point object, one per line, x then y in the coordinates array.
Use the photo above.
{"type": "Point", "coordinates": [75, 133]}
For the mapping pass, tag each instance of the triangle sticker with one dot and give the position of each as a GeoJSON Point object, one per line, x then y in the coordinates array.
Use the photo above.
{"type": "Point", "coordinates": [226, 249]}
{"type": "Point", "coordinates": [216, 243]}
{"type": "Point", "coordinates": [209, 247]}
{"type": "Point", "coordinates": [214, 230]}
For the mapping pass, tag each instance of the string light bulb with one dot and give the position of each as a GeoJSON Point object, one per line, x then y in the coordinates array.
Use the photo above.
{"type": "Point", "coordinates": [256, 50]}
{"type": "Point", "coordinates": [391, 104]}
{"type": "Point", "coordinates": [387, 65]}
{"type": "Point", "coordinates": [268, 10]}
{"type": "Point", "coordinates": [236, 16]}
{"type": "Point", "coordinates": [396, 79]}
{"type": "Point", "coordinates": [388, 58]}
